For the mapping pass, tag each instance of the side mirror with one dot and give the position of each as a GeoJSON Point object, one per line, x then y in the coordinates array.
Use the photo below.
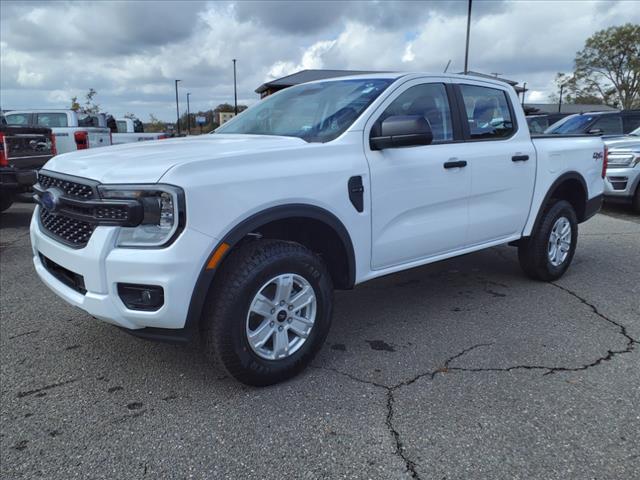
{"type": "Point", "coordinates": [401, 131]}
{"type": "Point", "coordinates": [595, 131]}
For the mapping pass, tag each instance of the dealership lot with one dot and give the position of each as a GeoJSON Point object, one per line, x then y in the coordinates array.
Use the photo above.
{"type": "Point", "coordinates": [460, 369]}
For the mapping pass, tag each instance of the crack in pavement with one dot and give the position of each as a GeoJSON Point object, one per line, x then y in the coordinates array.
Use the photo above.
{"type": "Point", "coordinates": [410, 465]}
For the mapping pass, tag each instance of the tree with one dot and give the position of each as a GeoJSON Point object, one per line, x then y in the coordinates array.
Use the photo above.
{"type": "Point", "coordinates": [608, 68]}
{"type": "Point", "coordinates": [89, 105]}
{"type": "Point", "coordinates": [132, 116]}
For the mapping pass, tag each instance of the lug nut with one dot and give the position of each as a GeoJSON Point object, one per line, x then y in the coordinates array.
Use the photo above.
{"type": "Point", "coordinates": [273, 310]}
{"type": "Point", "coordinates": [271, 324]}
{"type": "Point", "coordinates": [282, 303]}
{"type": "Point", "coordinates": [290, 307]}
{"type": "Point", "coordinates": [280, 328]}
{"type": "Point", "coordinates": [289, 319]}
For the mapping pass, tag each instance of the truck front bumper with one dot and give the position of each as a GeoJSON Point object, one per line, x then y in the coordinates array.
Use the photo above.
{"type": "Point", "coordinates": [88, 277]}
{"type": "Point", "coordinates": [621, 183]}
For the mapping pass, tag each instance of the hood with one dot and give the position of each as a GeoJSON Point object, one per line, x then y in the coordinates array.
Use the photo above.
{"type": "Point", "coordinates": [624, 143]}
{"type": "Point", "coordinates": [147, 162]}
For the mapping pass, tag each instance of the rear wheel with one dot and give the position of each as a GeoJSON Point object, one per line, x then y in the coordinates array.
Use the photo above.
{"type": "Point", "coordinates": [6, 200]}
{"type": "Point", "coordinates": [547, 254]}
{"type": "Point", "coordinates": [269, 311]}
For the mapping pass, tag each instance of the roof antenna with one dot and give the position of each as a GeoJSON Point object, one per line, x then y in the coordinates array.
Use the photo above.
{"type": "Point", "coordinates": [447, 67]}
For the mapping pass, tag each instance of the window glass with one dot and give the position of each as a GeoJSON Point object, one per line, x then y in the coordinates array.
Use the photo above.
{"type": "Point", "coordinates": [122, 126]}
{"type": "Point", "coordinates": [538, 124]}
{"type": "Point", "coordinates": [487, 112]}
{"type": "Point", "coordinates": [86, 120]}
{"type": "Point", "coordinates": [52, 119]}
{"type": "Point", "coordinates": [429, 100]}
{"type": "Point", "coordinates": [571, 124]}
{"type": "Point", "coordinates": [314, 112]}
{"type": "Point", "coordinates": [18, 118]}
{"type": "Point", "coordinates": [137, 126]}
{"type": "Point", "coordinates": [609, 124]}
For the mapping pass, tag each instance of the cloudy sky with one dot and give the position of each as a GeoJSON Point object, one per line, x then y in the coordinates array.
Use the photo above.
{"type": "Point", "coordinates": [131, 52]}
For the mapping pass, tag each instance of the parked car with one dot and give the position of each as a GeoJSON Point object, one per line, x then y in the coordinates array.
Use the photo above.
{"type": "Point", "coordinates": [73, 131]}
{"type": "Point", "coordinates": [23, 150]}
{"type": "Point", "coordinates": [622, 182]}
{"type": "Point", "coordinates": [242, 235]}
{"type": "Point", "coordinates": [130, 130]}
{"type": "Point", "coordinates": [597, 123]}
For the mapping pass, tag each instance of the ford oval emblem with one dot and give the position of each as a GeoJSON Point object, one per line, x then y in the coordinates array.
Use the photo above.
{"type": "Point", "coordinates": [50, 199]}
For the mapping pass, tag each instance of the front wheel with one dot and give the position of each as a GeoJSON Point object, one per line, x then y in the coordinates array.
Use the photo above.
{"type": "Point", "coordinates": [269, 311]}
{"type": "Point", "coordinates": [547, 254]}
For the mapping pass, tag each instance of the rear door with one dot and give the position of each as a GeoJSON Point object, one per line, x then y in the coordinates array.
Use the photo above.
{"type": "Point", "coordinates": [419, 202]}
{"type": "Point", "coordinates": [502, 162]}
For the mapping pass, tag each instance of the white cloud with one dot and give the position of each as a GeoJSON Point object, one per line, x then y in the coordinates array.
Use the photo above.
{"type": "Point", "coordinates": [131, 54]}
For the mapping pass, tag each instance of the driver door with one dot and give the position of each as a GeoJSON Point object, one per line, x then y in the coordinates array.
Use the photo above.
{"type": "Point", "coordinates": [420, 203]}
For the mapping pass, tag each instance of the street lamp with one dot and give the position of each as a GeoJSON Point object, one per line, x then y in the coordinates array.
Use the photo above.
{"type": "Point", "coordinates": [466, 51]}
{"type": "Point", "coordinates": [177, 108]}
{"type": "Point", "coordinates": [188, 115]}
{"type": "Point", "coordinates": [235, 89]}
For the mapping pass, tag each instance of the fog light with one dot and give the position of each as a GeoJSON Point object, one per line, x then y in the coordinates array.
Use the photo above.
{"type": "Point", "coordinates": [141, 297]}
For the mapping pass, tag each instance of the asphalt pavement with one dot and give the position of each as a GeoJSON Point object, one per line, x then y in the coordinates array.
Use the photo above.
{"type": "Point", "coordinates": [457, 370]}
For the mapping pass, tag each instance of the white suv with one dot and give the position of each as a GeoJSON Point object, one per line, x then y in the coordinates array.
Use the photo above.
{"type": "Point", "coordinates": [241, 236]}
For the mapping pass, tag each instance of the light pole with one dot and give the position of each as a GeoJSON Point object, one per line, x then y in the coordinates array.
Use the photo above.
{"type": "Point", "coordinates": [560, 102]}
{"type": "Point", "coordinates": [177, 108]}
{"type": "Point", "coordinates": [524, 92]}
{"type": "Point", "coordinates": [188, 115]}
{"type": "Point", "coordinates": [235, 89]}
{"type": "Point", "coordinates": [466, 51]}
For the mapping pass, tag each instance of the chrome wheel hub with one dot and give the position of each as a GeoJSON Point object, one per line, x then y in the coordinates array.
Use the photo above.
{"type": "Point", "coordinates": [281, 316]}
{"type": "Point", "coordinates": [559, 241]}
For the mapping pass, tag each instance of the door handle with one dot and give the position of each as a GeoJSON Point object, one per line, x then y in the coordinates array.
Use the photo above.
{"type": "Point", "coordinates": [520, 158]}
{"type": "Point", "coordinates": [455, 164]}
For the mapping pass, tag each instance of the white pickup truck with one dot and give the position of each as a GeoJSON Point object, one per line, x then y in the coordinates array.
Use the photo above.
{"type": "Point", "coordinates": [131, 130]}
{"type": "Point", "coordinates": [73, 131]}
{"type": "Point", "coordinates": [241, 236]}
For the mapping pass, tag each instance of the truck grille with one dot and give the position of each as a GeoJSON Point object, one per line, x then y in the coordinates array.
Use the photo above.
{"type": "Point", "coordinates": [73, 189]}
{"type": "Point", "coordinates": [75, 233]}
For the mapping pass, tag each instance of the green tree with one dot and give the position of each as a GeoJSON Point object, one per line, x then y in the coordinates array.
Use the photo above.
{"type": "Point", "coordinates": [607, 69]}
{"type": "Point", "coordinates": [89, 105]}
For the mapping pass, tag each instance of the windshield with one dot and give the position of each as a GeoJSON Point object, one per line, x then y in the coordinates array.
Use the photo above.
{"type": "Point", "coordinates": [636, 132]}
{"type": "Point", "coordinates": [573, 124]}
{"type": "Point", "coordinates": [314, 112]}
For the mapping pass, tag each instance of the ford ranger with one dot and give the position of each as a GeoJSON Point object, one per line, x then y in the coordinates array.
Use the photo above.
{"type": "Point", "coordinates": [240, 237]}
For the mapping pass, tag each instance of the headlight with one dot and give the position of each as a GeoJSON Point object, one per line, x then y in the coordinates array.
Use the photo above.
{"type": "Point", "coordinates": [163, 213]}
{"type": "Point", "coordinates": [619, 159]}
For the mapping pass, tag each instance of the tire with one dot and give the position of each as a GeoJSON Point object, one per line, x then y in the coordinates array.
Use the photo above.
{"type": "Point", "coordinates": [6, 200]}
{"type": "Point", "coordinates": [535, 252]}
{"type": "Point", "coordinates": [229, 316]}
{"type": "Point", "coordinates": [635, 203]}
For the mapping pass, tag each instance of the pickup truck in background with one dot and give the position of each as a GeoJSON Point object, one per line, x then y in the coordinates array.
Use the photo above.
{"type": "Point", "coordinates": [73, 131]}
{"type": "Point", "coordinates": [131, 130]}
{"type": "Point", "coordinates": [23, 151]}
{"type": "Point", "coordinates": [622, 182]}
{"type": "Point", "coordinates": [238, 238]}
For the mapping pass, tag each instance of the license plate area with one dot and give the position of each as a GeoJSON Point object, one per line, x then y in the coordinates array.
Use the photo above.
{"type": "Point", "coordinates": [70, 279]}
